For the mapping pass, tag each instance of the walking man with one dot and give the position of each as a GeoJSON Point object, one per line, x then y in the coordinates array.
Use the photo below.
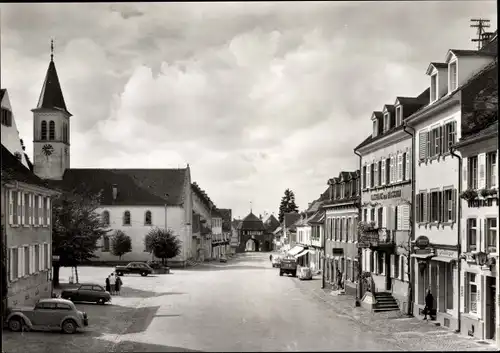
{"type": "Point", "coordinates": [112, 282]}
{"type": "Point", "coordinates": [271, 257]}
{"type": "Point", "coordinates": [429, 304]}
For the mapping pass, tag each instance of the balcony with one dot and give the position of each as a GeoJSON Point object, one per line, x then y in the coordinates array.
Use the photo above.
{"type": "Point", "coordinates": [480, 198]}
{"type": "Point", "coordinates": [370, 236]}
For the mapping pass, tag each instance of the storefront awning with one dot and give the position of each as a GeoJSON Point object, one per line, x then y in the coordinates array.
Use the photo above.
{"type": "Point", "coordinates": [422, 256]}
{"type": "Point", "coordinates": [301, 254]}
{"type": "Point", "coordinates": [295, 250]}
{"type": "Point", "coordinates": [443, 259]}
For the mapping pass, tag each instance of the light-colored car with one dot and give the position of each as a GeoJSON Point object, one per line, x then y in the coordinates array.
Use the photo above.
{"type": "Point", "coordinates": [47, 315]}
{"type": "Point", "coordinates": [305, 273]}
{"type": "Point", "coordinates": [276, 262]}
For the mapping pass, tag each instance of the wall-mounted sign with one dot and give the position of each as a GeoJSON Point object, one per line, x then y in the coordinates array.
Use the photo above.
{"type": "Point", "coordinates": [447, 253]}
{"type": "Point", "coordinates": [427, 251]}
{"type": "Point", "coordinates": [422, 242]}
{"type": "Point", "coordinates": [337, 252]}
{"type": "Point", "coordinates": [386, 195]}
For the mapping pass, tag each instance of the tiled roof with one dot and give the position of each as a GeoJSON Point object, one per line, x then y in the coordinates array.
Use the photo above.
{"type": "Point", "coordinates": [51, 96]}
{"type": "Point", "coordinates": [13, 169]}
{"type": "Point", "coordinates": [491, 130]}
{"type": "Point", "coordinates": [201, 194]}
{"type": "Point", "coordinates": [290, 218]}
{"type": "Point", "coordinates": [318, 217]}
{"type": "Point", "coordinates": [439, 65]}
{"type": "Point", "coordinates": [135, 186]}
{"type": "Point", "coordinates": [251, 222]}
{"type": "Point", "coordinates": [370, 138]}
{"type": "Point", "coordinates": [271, 223]}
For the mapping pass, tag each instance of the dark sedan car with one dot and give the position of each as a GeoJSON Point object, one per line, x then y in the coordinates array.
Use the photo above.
{"type": "Point", "coordinates": [87, 293]}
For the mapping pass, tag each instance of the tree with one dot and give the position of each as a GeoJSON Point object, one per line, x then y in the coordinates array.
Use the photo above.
{"type": "Point", "coordinates": [120, 244]}
{"type": "Point", "coordinates": [76, 228]}
{"type": "Point", "coordinates": [287, 204]}
{"type": "Point", "coordinates": [162, 243]}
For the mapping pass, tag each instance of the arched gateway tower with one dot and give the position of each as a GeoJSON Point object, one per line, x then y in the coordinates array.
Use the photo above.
{"type": "Point", "coordinates": [253, 235]}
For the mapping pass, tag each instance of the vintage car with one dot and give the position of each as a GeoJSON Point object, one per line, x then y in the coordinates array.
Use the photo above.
{"type": "Point", "coordinates": [140, 268]}
{"type": "Point", "coordinates": [47, 314]}
{"type": "Point", "coordinates": [276, 261]}
{"type": "Point", "coordinates": [87, 293]}
{"type": "Point", "coordinates": [288, 266]}
{"type": "Point", "coordinates": [223, 258]}
{"type": "Point", "coordinates": [305, 273]}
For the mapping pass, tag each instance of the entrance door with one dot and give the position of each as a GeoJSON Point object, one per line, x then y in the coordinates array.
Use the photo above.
{"type": "Point", "coordinates": [434, 284]}
{"type": "Point", "coordinates": [388, 280]}
{"type": "Point", "coordinates": [490, 308]}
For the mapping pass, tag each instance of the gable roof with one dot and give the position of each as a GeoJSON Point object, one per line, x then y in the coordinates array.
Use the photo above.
{"type": "Point", "coordinates": [51, 96]}
{"type": "Point", "coordinates": [271, 223]}
{"type": "Point", "coordinates": [251, 222]}
{"type": "Point", "coordinates": [13, 169]}
{"type": "Point", "coordinates": [290, 218]}
{"type": "Point", "coordinates": [317, 218]}
{"type": "Point", "coordinates": [2, 93]}
{"type": "Point", "coordinates": [135, 186]}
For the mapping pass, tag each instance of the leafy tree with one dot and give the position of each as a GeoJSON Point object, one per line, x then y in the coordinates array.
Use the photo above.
{"type": "Point", "coordinates": [76, 228]}
{"type": "Point", "coordinates": [120, 244]}
{"type": "Point", "coordinates": [162, 243]}
{"type": "Point", "coordinates": [287, 204]}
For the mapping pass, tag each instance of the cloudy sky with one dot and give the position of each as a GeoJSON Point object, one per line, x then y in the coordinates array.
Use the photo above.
{"type": "Point", "coordinates": [256, 97]}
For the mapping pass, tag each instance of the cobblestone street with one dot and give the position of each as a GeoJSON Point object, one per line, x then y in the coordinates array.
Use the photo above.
{"type": "Point", "coordinates": [242, 305]}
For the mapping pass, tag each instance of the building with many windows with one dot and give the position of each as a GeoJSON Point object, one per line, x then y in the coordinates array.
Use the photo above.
{"type": "Point", "coordinates": [436, 127]}
{"type": "Point", "coordinates": [341, 232]}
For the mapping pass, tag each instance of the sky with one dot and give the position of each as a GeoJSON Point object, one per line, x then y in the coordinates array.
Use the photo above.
{"type": "Point", "coordinates": [257, 97]}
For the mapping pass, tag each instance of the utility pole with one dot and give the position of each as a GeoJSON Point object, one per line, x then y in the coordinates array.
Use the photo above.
{"type": "Point", "coordinates": [482, 35]}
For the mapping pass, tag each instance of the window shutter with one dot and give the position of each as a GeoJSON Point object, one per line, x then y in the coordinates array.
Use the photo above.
{"type": "Point", "coordinates": [417, 208]}
{"type": "Point", "coordinates": [382, 171]}
{"type": "Point", "coordinates": [445, 134]}
{"type": "Point", "coordinates": [465, 163]}
{"type": "Point", "coordinates": [408, 165]}
{"type": "Point", "coordinates": [32, 259]}
{"type": "Point", "coordinates": [422, 145]}
{"type": "Point", "coordinates": [11, 207]}
{"type": "Point", "coordinates": [40, 210]}
{"type": "Point", "coordinates": [48, 211]}
{"type": "Point", "coordinates": [20, 258]}
{"type": "Point", "coordinates": [17, 195]}
{"type": "Point", "coordinates": [375, 173]}
{"type": "Point", "coordinates": [384, 217]}
{"type": "Point", "coordinates": [405, 217]}
{"type": "Point", "coordinates": [442, 148]}
{"type": "Point", "coordinates": [481, 162]}
{"type": "Point", "coordinates": [392, 266]}
{"type": "Point", "coordinates": [425, 211]}
{"type": "Point", "coordinates": [399, 210]}
{"type": "Point", "coordinates": [391, 170]}
{"type": "Point", "coordinates": [454, 205]}
{"type": "Point", "coordinates": [394, 173]}
{"type": "Point", "coordinates": [401, 161]}
{"type": "Point", "coordinates": [368, 175]}
{"type": "Point", "coordinates": [21, 214]}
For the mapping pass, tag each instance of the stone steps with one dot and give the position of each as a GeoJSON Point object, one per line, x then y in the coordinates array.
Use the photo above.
{"type": "Point", "coordinates": [385, 302]}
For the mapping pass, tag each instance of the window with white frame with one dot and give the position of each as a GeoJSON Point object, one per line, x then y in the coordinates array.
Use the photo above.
{"type": "Point", "coordinates": [26, 210]}
{"type": "Point", "coordinates": [453, 75]}
{"type": "Point", "coordinates": [448, 206]}
{"type": "Point", "coordinates": [399, 115]}
{"type": "Point", "coordinates": [473, 287]}
{"type": "Point", "coordinates": [450, 135]}
{"type": "Point", "coordinates": [405, 167]}
{"type": "Point", "coordinates": [421, 207]}
{"type": "Point", "coordinates": [433, 87]}
{"type": "Point", "coordinates": [380, 215]}
{"type": "Point", "coordinates": [387, 122]}
{"type": "Point", "coordinates": [26, 260]}
{"type": "Point", "coordinates": [491, 234]}
{"type": "Point", "coordinates": [37, 258]}
{"type": "Point", "coordinates": [472, 172]}
{"type": "Point", "coordinates": [471, 234]}
{"type": "Point", "coordinates": [375, 128]}
{"type": "Point", "coordinates": [364, 177]}
{"type": "Point", "coordinates": [491, 170]}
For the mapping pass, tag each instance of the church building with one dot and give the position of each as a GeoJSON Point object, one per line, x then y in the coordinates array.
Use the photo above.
{"type": "Point", "coordinates": [133, 200]}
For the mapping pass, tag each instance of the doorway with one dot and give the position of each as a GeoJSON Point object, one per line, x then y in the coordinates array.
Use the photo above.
{"type": "Point", "coordinates": [490, 308]}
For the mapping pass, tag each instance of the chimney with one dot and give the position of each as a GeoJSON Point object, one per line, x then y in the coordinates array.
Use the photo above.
{"type": "Point", "coordinates": [115, 191]}
{"type": "Point", "coordinates": [309, 205]}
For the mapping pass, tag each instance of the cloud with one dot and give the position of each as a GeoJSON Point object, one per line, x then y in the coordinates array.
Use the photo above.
{"type": "Point", "coordinates": [256, 97]}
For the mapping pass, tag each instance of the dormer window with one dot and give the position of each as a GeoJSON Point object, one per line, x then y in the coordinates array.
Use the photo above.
{"type": "Point", "coordinates": [375, 128]}
{"type": "Point", "coordinates": [399, 116]}
{"type": "Point", "coordinates": [387, 122]}
{"type": "Point", "coordinates": [6, 117]}
{"type": "Point", "coordinates": [433, 87]}
{"type": "Point", "coordinates": [453, 76]}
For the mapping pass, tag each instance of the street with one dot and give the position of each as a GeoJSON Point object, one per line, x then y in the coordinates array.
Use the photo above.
{"type": "Point", "coordinates": [242, 305]}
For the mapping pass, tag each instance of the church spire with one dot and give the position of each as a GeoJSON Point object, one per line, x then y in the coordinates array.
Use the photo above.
{"type": "Point", "coordinates": [51, 96]}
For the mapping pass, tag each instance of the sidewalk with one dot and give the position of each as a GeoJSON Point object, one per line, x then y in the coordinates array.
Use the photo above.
{"type": "Point", "coordinates": [394, 325]}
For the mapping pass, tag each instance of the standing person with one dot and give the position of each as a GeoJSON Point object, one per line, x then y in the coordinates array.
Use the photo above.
{"type": "Point", "coordinates": [108, 285]}
{"type": "Point", "coordinates": [429, 304]}
{"type": "Point", "coordinates": [112, 282]}
{"type": "Point", "coordinates": [118, 285]}
{"type": "Point", "coordinates": [271, 257]}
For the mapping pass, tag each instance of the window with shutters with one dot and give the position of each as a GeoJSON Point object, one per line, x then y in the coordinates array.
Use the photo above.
{"type": "Point", "coordinates": [372, 215]}
{"type": "Point", "coordinates": [37, 258]}
{"type": "Point", "coordinates": [472, 289]}
{"type": "Point", "coordinates": [422, 146]}
{"type": "Point", "coordinates": [26, 260]}
{"type": "Point", "coordinates": [400, 167]}
{"type": "Point", "coordinates": [372, 175]}
{"type": "Point", "coordinates": [433, 88]}
{"type": "Point", "coordinates": [472, 177]}
{"type": "Point", "coordinates": [491, 234]}
{"type": "Point", "coordinates": [491, 170]}
{"type": "Point", "coordinates": [14, 263]}
{"type": "Point", "coordinates": [348, 229]}
{"type": "Point", "coordinates": [392, 167]}
{"type": "Point", "coordinates": [471, 234]}
{"type": "Point", "coordinates": [364, 177]}
{"type": "Point", "coordinates": [397, 215]}
{"type": "Point", "coordinates": [436, 142]}
{"type": "Point", "coordinates": [44, 130]}
{"type": "Point", "coordinates": [449, 135]}
{"type": "Point", "coordinates": [452, 70]}
{"type": "Point", "coordinates": [448, 205]}
{"type": "Point", "coordinates": [387, 171]}
{"type": "Point", "coordinates": [380, 215]}
{"type": "Point", "coordinates": [15, 207]}
{"type": "Point", "coordinates": [435, 206]}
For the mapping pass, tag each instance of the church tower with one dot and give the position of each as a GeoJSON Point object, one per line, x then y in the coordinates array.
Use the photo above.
{"type": "Point", "coordinates": [51, 153]}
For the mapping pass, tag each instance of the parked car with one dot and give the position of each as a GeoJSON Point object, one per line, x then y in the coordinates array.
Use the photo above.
{"type": "Point", "coordinates": [223, 258]}
{"type": "Point", "coordinates": [289, 266]}
{"type": "Point", "coordinates": [87, 293]}
{"type": "Point", "coordinates": [305, 273]}
{"type": "Point", "coordinates": [276, 261]}
{"type": "Point", "coordinates": [134, 267]}
{"type": "Point", "coordinates": [47, 314]}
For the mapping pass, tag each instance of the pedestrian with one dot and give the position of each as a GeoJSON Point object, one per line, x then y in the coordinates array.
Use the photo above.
{"type": "Point", "coordinates": [429, 304]}
{"type": "Point", "coordinates": [112, 282]}
{"type": "Point", "coordinates": [108, 285]}
{"type": "Point", "coordinates": [271, 257]}
{"type": "Point", "coordinates": [339, 279]}
{"type": "Point", "coordinates": [118, 285]}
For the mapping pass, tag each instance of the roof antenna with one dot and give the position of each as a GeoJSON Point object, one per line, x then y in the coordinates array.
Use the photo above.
{"type": "Point", "coordinates": [482, 36]}
{"type": "Point", "coordinates": [52, 49]}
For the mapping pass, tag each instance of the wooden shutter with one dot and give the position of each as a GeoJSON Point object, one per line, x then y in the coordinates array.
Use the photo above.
{"type": "Point", "coordinates": [425, 211]}
{"type": "Point", "coordinates": [393, 266]}
{"type": "Point", "coordinates": [48, 211]}
{"type": "Point", "coordinates": [399, 167]}
{"type": "Point", "coordinates": [368, 174]}
{"type": "Point", "coordinates": [481, 163]}
{"type": "Point", "coordinates": [440, 206]}
{"type": "Point", "coordinates": [32, 259]}
{"type": "Point", "coordinates": [405, 217]}
{"type": "Point", "coordinates": [375, 173]}
{"type": "Point", "coordinates": [391, 170]}
{"type": "Point", "coordinates": [408, 165]}
{"type": "Point", "coordinates": [384, 217]}
{"type": "Point", "coordinates": [417, 208]}
{"type": "Point", "coordinates": [422, 145]}
{"type": "Point", "coordinates": [444, 139]}
{"type": "Point", "coordinates": [20, 262]}
{"type": "Point", "coordinates": [30, 209]}
{"type": "Point", "coordinates": [454, 205]}
{"type": "Point", "coordinates": [399, 210]}
{"type": "Point", "coordinates": [442, 148]}
{"type": "Point", "coordinates": [11, 207]}
{"type": "Point", "coordinates": [21, 214]}
{"type": "Point", "coordinates": [40, 210]}
{"type": "Point", "coordinates": [382, 172]}
{"type": "Point", "coordinates": [465, 163]}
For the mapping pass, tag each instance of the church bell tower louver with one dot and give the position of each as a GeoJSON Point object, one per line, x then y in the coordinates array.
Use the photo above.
{"type": "Point", "coordinates": [51, 127]}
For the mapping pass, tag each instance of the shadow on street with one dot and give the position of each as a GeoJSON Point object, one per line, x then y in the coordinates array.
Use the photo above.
{"type": "Point", "coordinates": [130, 346]}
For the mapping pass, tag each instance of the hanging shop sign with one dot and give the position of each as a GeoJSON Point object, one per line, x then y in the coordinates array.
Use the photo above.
{"type": "Point", "coordinates": [422, 242]}
{"type": "Point", "coordinates": [386, 195]}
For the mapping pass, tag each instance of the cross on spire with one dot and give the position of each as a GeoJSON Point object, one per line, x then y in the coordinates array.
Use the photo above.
{"type": "Point", "coordinates": [52, 49]}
